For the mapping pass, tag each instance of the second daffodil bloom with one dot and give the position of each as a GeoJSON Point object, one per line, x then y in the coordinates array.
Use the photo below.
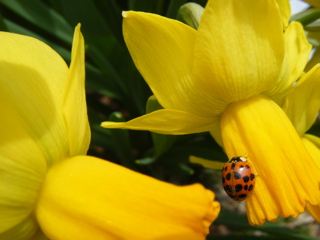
{"type": "Point", "coordinates": [230, 77]}
{"type": "Point", "coordinates": [302, 109]}
{"type": "Point", "coordinates": [49, 188]}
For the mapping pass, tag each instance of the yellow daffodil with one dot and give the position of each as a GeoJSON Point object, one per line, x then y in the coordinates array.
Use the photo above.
{"type": "Point", "coordinates": [49, 188]}
{"type": "Point", "coordinates": [230, 78]}
{"type": "Point", "coordinates": [303, 109]}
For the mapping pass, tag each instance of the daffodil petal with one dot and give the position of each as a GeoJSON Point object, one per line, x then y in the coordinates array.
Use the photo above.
{"type": "Point", "coordinates": [32, 56]}
{"type": "Point", "coordinates": [314, 211]}
{"type": "Point", "coordinates": [304, 102]}
{"type": "Point", "coordinates": [239, 48]}
{"type": "Point", "coordinates": [32, 77]}
{"type": "Point", "coordinates": [32, 83]}
{"type": "Point", "coordinates": [297, 53]}
{"type": "Point", "coordinates": [19, 188]}
{"type": "Point", "coordinates": [22, 167]}
{"type": "Point", "coordinates": [27, 229]}
{"type": "Point", "coordinates": [162, 50]}
{"type": "Point", "coordinates": [75, 110]}
{"type": "Point", "coordinates": [167, 121]}
{"type": "Point", "coordinates": [312, 144]}
{"type": "Point", "coordinates": [297, 49]}
{"type": "Point", "coordinates": [314, 139]}
{"type": "Point", "coordinates": [260, 129]}
{"type": "Point", "coordinates": [82, 198]}
{"type": "Point", "coordinates": [285, 9]}
{"type": "Point", "coordinates": [216, 134]}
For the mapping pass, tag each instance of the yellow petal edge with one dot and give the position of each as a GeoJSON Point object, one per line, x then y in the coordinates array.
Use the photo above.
{"type": "Point", "coordinates": [82, 198]}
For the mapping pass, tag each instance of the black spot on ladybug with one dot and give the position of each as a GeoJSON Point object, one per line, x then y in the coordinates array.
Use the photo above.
{"type": "Point", "coordinates": [230, 195]}
{"type": "Point", "coordinates": [252, 176]}
{"type": "Point", "coordinates": [238, 187]}
{"type": "Point", "coordinates": [228, 188]}
{"type": "Point", "coordinates": [250, 187]}
{"type": "Point", "coordinates": [243, 196]}
{"type": "Point", "coordinates": [223, 180]}
{"type": "Point", "coordinates": [245, 179]}
{"type": "Point", "coordinates": [233, 165]}
{"type": "Point", "coordinates": [237, 175]}
{"type": "Point", "coordinates": [247, 166]}
{"type": "Point", "coordinates": [245, 187]}
{"type": "Point", "coordinates": [226, 168]}
{"type": "Point", "coordinates": [241, 166]}
{"type": "Point", "coordinates": [228, 177]}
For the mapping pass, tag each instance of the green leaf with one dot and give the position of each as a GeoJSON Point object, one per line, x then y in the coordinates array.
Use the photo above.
{"type": "Point", "coordinates": [240, 221]}
{"type": "Point", "coordinates": [120, 138]}
{"type": "Point", "coordinates": [306, 17]}
{"type": "Point", "coordinates": [158, 6]}
{"type": "Point", "coordinates": [111, 79]}
{"type": "Point", "coordinates": [244, 237]}
{"type": "Point", "coordinates": [173, 8]}
{"type": "Point", "coordinates": [3, 25]}
{"type": "Point", "coordinates": [111, 12]}
{"type": "Point", "coordinates": [185, 168]}
{"type": "Point", "coordinates": [313, 27]}
{"type": "Point", "coordinates": [43, 17]}
{"type": "Point", "coordinates": [145, 161]}
{"type": "Point", "coordinates": [315, 129]}
{"type": "Point", "coordinates": [161, 142]}
{"type": "Point", "coordinates": [184, 151]}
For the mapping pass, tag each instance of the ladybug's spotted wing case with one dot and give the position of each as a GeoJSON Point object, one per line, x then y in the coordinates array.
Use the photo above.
{"type": "Point", "coordinates": [238, 178]}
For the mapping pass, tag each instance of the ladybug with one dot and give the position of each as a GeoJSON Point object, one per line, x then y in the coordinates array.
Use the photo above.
{"type": "Point", "coordinates": [238, 178]}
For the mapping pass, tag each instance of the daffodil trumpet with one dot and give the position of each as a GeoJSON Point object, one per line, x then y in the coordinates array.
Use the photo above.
{"type": "Point", "coordinates": [302, 108]}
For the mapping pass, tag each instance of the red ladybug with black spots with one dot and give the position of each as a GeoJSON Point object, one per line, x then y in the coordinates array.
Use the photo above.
{"type": "Point", "coordinates": [238, 178]}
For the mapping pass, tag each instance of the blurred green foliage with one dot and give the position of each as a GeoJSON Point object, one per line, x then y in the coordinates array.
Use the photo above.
{"type": "Point", "coordinates": [117, 92]}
